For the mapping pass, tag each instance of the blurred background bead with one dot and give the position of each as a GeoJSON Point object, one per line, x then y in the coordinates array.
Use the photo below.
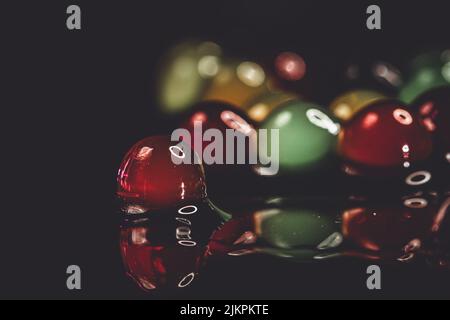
{"type": "Point", "coordinates": [307, 137]}
{"type": "Point", "coordinates": [345, 106]}
{"type": "Point", "coordinates": [185, 74]}
{"type": "Point", "coordinates": [290, 66]}
{"type": "Point", "coordinates": [237, 82]}
{"type": "Point", "coordinates": [427, 71]}
{"type": "Point", "coordinates": [293, 73]}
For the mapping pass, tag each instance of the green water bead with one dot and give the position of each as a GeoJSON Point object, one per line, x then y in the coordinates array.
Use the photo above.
{"type": "Point", "coordinates": [307, 136]}
{"type": "Point", "coordinates": [429, 71]}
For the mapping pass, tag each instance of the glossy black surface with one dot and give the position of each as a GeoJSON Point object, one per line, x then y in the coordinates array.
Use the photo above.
{"type": "Point", "coordinates": [75, 102]}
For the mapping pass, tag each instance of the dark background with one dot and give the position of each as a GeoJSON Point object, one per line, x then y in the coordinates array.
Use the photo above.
{"type": "Point", "coordinates": [74, 102]}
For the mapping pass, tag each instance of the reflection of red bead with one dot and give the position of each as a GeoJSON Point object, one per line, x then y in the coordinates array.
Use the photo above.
{"type": "Point", "coordinates": [385, 135]}
{"type": "Point", "coordinates": [154, 266]}
{"type": "Point", "coordinates": [433, 107]}
{"type": "Point", "coordinates": [390, 227]}
{"type": "Point", "coordinates": [148, 175]}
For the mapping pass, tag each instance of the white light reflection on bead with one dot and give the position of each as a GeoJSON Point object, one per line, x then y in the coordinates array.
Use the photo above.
{"type": "Point", "coordinates": [183, 190]}
{"type": "Point", "coordinates": [233, 121]}
{"type": "Point", "coordinates": [283, 119]}
{"type": "Point", "coordinates": [135, 209]}
{"type": "Point", "coordinates": [139, 236]}
{"type": "Point", "coordinates": [447, 157]}
{"type": "Point", "coordinates": [146, 284]}
{"type": "Point", "coordinates": [343, 110]}
{"type": "Point", "coordinates": [416, 203]}
{"type": "Point", "coordinates": [350, 170]}
{"type": "Point", "coordinates": [413, 246]}
{"type": "Point", "coordinates": [321, 120]}
{"type": "Point", "coordinates": [144, 153]}
{"type": "Point", "coordinates": [180, 155]}
{"type": "Point", "coordinates": [185, 211]}
{"type": "Point", "coordinates": [258, 112]}
{"type": "Point", "coordinates": [405, 148]}
{"type": "Point", "coordinates": [187, 280]}
{"type": "Point", "coordinates": [407, 257]}
{"type": "Point", "coordinates": [403, 117]}
{"type": "Point", "coordinates": [208, 66]}
{"type": "Point", "coordinates": [251, 74]}
{"type": "Point", "coordinates": [187, 243]}
{"type": "Point", "coordinates": [239, 253]}
{"type": "Point", "coordinates": [333, 241]}
{"type": "Point", "coordinates": [406, 164]}
{"type": "Point", "coordinates": [413, 180]}
{"type": "Point", "coordinates": [247, 237]}
{"type": "Point", "coordinates": [324, 256]}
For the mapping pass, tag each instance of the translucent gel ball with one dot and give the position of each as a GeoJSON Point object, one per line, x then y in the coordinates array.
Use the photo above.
{"type": "Point", "coordinates": [150, 176]}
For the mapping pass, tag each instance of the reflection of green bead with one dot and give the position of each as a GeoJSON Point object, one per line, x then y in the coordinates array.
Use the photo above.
{"type": "Point", "coordinates": [428, 71]}
{"type": "Point", "coordinates": [307, 136]}
{"type": "Point", "coordinates": [289, 229]}
{"type": "Point", "coordinates": [299, 255]}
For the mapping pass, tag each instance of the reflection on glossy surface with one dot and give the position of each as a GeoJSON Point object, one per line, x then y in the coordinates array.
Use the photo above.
{"type": "Point", "coordinates": [308, 136]}
{"type": "Point", "coordinates": [386, 135]}
{"type": "Point", "coordinates": [398, 227]}
{"type": "Point", "coordinates": [149, 179]}
{"type": "Point", "coordinates": [287, 229]}
{"type": "Point", "coordinates": [166, 248]}
{"type": "Point", "coordinates": [237, 82]}
{"type": "Point", "coordinates": [438, 256]}
{"type": "Point", "coordinates": [299, 233]}
{"type": "Point", "coordinates": [348, 104]}
{"type": "Point", "coordinates": [185, 74]}
{"type": "Point", "coordinates": [395, 230]}
{"type": "Point", "coordinates": [428, 71]}
{"type": "Point", "coordinates": [259, 107]}
{"type": "Point", "coordinates": [433, 107]}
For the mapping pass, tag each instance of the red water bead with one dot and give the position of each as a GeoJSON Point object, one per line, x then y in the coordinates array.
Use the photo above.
{"type": "Point", "coordinates": [400, 228]}
{"type": "Point", "coordinates": [155, 265]}
{"type": "Point", "coordinates": [221, 116]}
{"type": "Point", "coordinates": [433, 107]}
{"type": "Point", "coordinates": [149, 176]}
{"type": "Point", "coordinates": [385, 135]}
